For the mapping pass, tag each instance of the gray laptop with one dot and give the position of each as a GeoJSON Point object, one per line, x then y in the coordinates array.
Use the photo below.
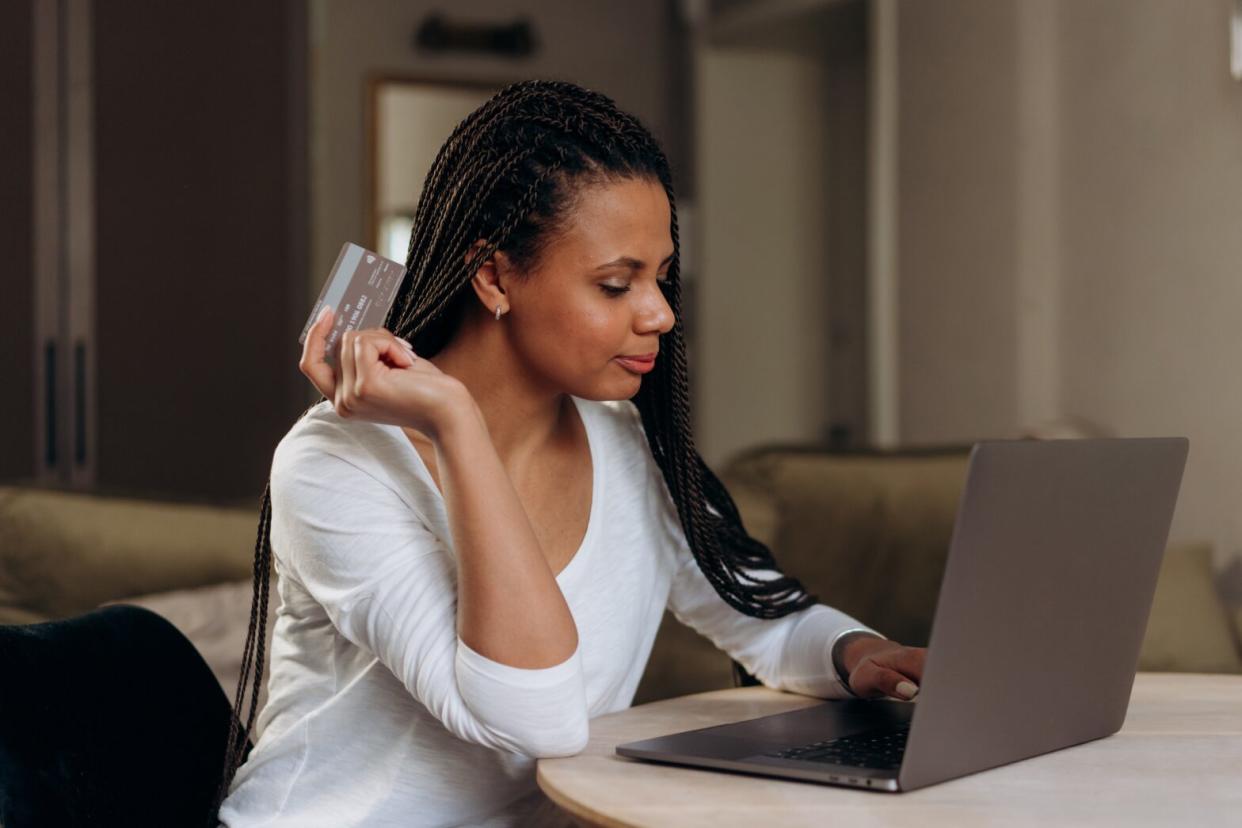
{"type": "Point", "coordinates": [1035, 641]}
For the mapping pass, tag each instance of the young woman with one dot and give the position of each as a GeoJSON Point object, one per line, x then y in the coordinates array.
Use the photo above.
{"type": "Point", "coordinates": [477, 531]}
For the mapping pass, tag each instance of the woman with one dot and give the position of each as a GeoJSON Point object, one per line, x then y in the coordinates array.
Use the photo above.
{"type": "Point", "coordinates": [478, 529]}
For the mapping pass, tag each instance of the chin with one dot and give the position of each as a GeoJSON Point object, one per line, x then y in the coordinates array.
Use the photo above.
{"type": "Point", "coordinates": [633, 392]}
{"type": "Point", "coordinates": [610, 390]}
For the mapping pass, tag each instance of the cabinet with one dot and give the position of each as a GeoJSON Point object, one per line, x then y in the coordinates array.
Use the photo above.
{"type": "Point", "coordinates": [155, 210]}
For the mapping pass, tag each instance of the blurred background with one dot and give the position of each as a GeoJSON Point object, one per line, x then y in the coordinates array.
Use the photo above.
{"type": "Point", "coordinates": [907, 224]}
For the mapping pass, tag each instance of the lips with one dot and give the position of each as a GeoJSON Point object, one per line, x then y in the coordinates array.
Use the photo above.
{"type": "Point", "coordinates": [639, 365]}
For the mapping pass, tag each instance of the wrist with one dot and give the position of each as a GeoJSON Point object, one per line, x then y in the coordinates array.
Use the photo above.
{"type": "Point", "coordinates": [459, 415]}
{"type": "Point", "coordinates": [849, 649]}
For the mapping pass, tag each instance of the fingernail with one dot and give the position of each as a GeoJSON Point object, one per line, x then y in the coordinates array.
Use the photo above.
{"type": "Point", "coordinates": [406, 343]}
{"type": "Point", "coordinates": [907, 690]}
{"type": "Point", "coordinates": [322, 313]}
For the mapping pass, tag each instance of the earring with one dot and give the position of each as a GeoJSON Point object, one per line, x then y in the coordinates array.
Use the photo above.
{"type": "Point", "coordinates": [498, 313]}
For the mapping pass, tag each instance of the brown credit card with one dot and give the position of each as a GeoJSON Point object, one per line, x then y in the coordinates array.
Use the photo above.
{"type": "Point", "coordinates": [360, 290]}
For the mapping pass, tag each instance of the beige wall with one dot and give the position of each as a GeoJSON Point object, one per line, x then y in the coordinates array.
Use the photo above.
{"type": "Point", "coordinates": [762, 328]}
{"type": "Point", "coordinates": [1151, 259]}
{"type": "Point", "coordinates": [956, 197]}
{"type": "Point", "coordinates": [1070, 241]}
{"type": "Point", "coordinates": [780, 153]}
{"type": "Point", "coordinates": [625, 50]}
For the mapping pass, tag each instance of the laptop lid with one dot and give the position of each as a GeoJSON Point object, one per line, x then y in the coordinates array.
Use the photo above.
{"type": "Point", "coordinates": [1044, 600]}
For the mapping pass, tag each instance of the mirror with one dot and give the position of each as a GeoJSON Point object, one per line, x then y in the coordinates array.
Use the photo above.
{"type": "Point", "coordinates": [410, 120]}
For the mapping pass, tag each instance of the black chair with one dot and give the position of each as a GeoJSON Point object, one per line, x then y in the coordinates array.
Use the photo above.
{"type": "Point", "coordinates": [108, 718]}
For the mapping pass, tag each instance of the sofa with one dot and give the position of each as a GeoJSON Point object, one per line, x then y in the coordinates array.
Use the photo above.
{"type": "Point", "coordinates": [66, 553]}
{"type": "Point", "coordinates": [867, 532]}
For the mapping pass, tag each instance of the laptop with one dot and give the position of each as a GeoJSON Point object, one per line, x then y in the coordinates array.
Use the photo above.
{"type": "Point", "coordinates": [1036, 634]}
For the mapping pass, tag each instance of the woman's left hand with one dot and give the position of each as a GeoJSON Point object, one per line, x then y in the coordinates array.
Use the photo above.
{"type": "Point", "coordinates": [878, 667]}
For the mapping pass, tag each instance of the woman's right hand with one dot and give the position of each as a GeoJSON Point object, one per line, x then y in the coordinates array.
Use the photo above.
{"type": "Point", "coordinates": [379, 378]}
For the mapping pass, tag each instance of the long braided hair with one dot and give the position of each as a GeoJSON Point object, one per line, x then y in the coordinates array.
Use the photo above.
{"type": "Point", "coordinates": [508, 174]}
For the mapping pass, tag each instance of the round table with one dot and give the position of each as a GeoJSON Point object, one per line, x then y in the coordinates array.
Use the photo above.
{"type": "Point", "coordinates": [1176, 761]}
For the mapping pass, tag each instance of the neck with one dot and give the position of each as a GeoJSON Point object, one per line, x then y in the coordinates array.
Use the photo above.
{"type": "Point", "coordinates": [524, 415]}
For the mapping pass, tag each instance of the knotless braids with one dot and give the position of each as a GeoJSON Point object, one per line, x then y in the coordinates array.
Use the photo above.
{"type": "Point", "coordinates": [510, 174]}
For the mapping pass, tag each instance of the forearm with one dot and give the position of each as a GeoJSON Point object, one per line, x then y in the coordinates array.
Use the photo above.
{"type": "Point", "coordinates": [509, 606]}
{"type": "Point", "coordinates": [806, 662]}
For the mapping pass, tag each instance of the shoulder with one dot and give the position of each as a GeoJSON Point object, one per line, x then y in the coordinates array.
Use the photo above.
{"type": "Point", "coordinates": [318, 434]}
{"type": "Point", "coordinates": [345, 504]}
{"type": "Point", "coordinates": [335, 454]}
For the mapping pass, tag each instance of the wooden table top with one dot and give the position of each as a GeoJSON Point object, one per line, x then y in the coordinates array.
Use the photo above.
{"type": "Point", "coordinates": [1177, 760]}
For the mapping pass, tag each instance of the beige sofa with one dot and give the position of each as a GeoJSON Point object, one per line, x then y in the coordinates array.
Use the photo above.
{"type": "Point", "coordinates": [867, 533]}
{"type": "Point", "coordinates": [64, 553]}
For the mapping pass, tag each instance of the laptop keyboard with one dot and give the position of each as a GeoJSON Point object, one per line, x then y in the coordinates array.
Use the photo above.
{"type": "Point", "coordinates": [880, 749]}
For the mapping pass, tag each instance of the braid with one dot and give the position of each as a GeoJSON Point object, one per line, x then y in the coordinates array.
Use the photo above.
{"type": "Point", "coordinates": [506, 174]}
{"type": "Point", "coordinates": [236, 742]}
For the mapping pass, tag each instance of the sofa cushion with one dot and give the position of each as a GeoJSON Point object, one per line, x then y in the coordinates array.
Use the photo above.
{"type": "Point", "coordinates": [64, 553]}
{"type": "Point", "coordinates": [844, 525]}
{"type": "Point", "coordinates": [1189, 628]}
{"type": "Point", "coordinates": [866, 533]}
{"type": "Point", "coordinates": [869, 534]}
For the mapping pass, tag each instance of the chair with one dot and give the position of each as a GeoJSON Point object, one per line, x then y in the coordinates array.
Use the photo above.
{"type": "Point", "coordinates": [108, 718]}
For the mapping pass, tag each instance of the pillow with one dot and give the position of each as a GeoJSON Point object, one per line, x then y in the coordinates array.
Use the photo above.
{"type": "Point", "coordinates": [1189, 627]}
{"type": "Point", "coordinates": [63, 553]}
{"type": "Point", "coordinates": [1237, 628]}
{"type": "Point", "coordinates": [865, 533]}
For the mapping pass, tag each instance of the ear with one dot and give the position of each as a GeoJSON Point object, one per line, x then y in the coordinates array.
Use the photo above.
{"type": "Point", "coordinates": [490, 280]}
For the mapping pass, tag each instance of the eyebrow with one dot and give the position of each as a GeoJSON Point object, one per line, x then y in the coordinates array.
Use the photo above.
{"type": "Point", "coordinates": [631, 263]}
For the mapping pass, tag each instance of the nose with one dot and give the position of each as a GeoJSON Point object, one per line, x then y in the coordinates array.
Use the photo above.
{"type": "Point", "coordinates": [657, 314]}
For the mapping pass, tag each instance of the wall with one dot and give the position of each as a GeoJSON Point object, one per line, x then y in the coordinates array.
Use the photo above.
{"type": "Point", "coordinates": [1151, 257]}
{"type": "Point", "coordinates": [780, 143]}
{"type": "Point", "coordinates": [1069, 239]}
{"type": "Point", "coordinates": [762, 332]}
{"type": "Point", "coordinates": [956, 197]}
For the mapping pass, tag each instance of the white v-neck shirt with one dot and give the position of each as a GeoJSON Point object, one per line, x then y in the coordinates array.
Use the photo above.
{"type": "Point", "coordinates": [378, 714]}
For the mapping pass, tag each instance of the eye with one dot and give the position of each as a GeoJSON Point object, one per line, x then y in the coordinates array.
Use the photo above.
{"type": "Point", "coordinates": [612, 292]}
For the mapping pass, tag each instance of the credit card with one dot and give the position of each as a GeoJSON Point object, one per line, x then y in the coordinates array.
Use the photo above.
{"type": "Point", "coordinates": [360, 289]}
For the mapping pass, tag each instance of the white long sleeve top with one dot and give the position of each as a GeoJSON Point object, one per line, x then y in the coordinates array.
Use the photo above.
{"type": "Point", "coordinates": [378, 714]}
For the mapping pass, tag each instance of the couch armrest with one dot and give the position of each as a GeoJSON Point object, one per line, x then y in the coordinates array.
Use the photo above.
{"type": "Point", "coordinates": [64, 553]}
